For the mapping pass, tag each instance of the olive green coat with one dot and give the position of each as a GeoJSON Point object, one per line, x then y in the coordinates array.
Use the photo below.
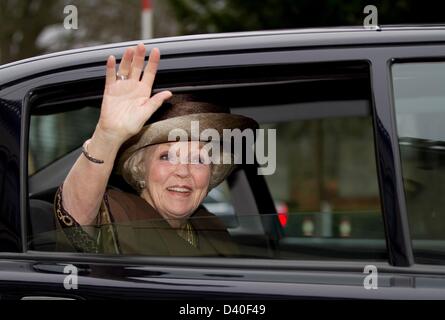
{"type": "Point", "coordinates": [127, 224]}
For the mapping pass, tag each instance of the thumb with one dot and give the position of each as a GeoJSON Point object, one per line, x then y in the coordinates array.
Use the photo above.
{"type": "Point", "coordinates": [156, 101]}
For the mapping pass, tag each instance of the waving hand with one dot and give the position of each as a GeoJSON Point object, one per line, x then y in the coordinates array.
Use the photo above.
{"type": "Point", "coordinates": [127, 104]}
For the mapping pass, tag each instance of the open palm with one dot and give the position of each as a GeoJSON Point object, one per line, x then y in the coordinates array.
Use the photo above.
{"type": "Point", "coordinates": [127, 104]}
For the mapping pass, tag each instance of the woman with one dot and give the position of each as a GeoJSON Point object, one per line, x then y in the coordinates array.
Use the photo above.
{"type": "Point", "coordinates": [133, 131]}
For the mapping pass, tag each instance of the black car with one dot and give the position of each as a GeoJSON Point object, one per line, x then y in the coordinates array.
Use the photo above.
{"type": "Point", "coordinates": [360, 167]}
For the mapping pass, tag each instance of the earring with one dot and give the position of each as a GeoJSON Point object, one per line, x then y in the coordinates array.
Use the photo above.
{"type": "Point", "coordinates": [141, 184]}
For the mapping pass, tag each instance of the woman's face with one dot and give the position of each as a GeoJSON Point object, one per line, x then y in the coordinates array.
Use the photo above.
{"type": "Point", "coordinates": [175, 190]}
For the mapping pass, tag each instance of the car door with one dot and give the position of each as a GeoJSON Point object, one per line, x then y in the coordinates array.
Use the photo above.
{"type": "Point", "coordinates": [336, 167]}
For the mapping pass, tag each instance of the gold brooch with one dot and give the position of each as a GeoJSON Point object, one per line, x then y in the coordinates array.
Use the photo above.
{"type": "Point", "coordinates": [188, 234]}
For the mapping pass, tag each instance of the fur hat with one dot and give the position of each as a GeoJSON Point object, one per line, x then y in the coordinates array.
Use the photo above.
{"type": "Point", "coordinates": [178, 113]}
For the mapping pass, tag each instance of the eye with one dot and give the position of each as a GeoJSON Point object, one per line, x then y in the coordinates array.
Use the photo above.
{"type": "Point", "coordinates": [164, 156]}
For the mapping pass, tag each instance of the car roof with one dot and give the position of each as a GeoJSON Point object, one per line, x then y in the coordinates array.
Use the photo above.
{"type": "Point", "coordinates": [232, 42]}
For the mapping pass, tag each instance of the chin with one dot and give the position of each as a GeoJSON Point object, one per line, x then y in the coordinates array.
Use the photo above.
{"type": "Point", "coordinates": [180, 212]}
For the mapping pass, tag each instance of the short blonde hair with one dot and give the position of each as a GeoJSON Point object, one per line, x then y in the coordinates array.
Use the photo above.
{"type": "Point", "coordinates": [133, 170]}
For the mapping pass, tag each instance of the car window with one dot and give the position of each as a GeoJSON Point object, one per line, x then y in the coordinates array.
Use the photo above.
{"type": "Point", "coordinates": [325, 186]}
{"type": "Point", "coordinates": [219, 202]}
{"type": "Point", "coordinates": [319, 199]}
{"type": "Point", "coordinates": [326, 177]}
{"type": "Point", "coordinates": [419, 100]}
{"type": "Point", "coordinates": [53, 135]}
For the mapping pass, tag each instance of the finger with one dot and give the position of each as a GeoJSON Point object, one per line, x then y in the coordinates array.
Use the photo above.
{"type": "Point", "coordinates": [138, 62]}
{"type": "Point", "coordinates": [125, 65]}
{"type": "Point", "coordinates": [156, 101]}
{"type": "Point", "coordinates": [151, 67]}
{"type": "Point", "coordinates": [110, 75]}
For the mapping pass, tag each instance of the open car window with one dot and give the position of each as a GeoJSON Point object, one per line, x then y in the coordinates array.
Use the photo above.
{"type": "Point", "coordinates": [318, 196]}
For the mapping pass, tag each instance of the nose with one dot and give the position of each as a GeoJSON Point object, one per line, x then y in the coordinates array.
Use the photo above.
{"type": "Point", "coordinates": [182, 170]}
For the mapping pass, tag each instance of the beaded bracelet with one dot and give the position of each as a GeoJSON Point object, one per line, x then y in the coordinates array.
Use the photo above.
{"type": "Point", "coordinates": [87, 155]}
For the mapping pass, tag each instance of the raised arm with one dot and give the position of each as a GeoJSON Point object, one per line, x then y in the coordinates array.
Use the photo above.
{"type": "Point", "coordinates": [126, 106]}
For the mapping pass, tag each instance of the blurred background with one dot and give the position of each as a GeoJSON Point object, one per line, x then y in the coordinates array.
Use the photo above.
{"type": "Point", "coordinates": [34, 27]}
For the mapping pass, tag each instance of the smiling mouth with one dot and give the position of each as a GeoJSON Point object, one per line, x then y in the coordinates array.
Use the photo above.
{"type": "Point", "coordinates": [180, 189]}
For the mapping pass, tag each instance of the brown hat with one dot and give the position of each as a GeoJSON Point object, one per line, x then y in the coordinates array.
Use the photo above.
{"type": "Point", "coordinates": [178, 113]}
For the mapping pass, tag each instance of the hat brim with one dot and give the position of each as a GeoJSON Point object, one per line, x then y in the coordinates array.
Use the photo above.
{"type": "Point", "coordinates": [158, 132]}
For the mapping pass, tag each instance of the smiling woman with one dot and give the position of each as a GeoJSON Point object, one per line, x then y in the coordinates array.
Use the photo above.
{"type": "Point", "coordinates": [134, 130]}
{"type": "Point", "coordinates": [176, 191]}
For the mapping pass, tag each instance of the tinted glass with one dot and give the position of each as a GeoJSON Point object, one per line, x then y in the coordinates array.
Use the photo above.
{"type": "Point", "coordinates": [419, 99]}
{"type": "Point", "coordinates": [325, 186]}
{"type": "Point", "coordinates": [54, 135]}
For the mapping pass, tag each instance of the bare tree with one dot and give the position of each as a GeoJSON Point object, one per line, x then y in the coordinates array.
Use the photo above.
{"type": "Point", "coordinates": [22, 23]}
